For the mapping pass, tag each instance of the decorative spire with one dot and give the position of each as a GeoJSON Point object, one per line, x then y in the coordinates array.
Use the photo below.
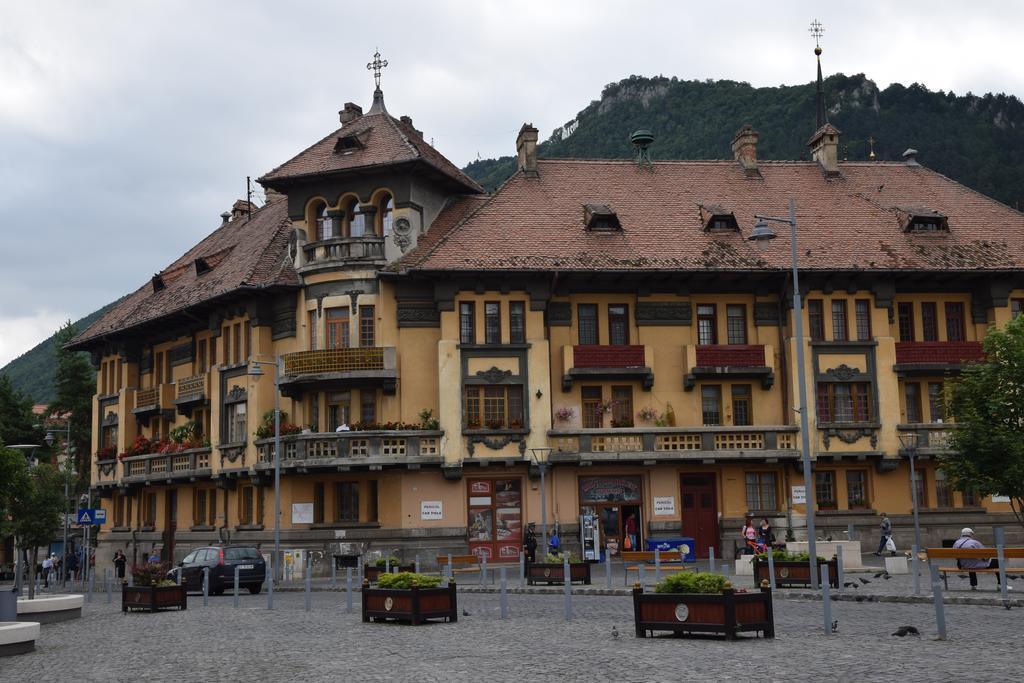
{"type": "Point", "coordinates": [378, 95]}
{"type": "Point", "coordinates": [871, 142]}
{"type": "Point", "coordinates": [817, 30]}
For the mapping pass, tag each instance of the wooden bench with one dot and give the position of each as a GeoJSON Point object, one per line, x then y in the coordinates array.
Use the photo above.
{"type": "Point", "coordinates": [469, 564]}
{"type": "Point", "coordinates": [669, 561]}
{"type": "Point", "coordinates": [970, 554]}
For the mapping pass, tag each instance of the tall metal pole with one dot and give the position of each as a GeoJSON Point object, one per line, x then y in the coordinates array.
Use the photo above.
{"type": "Point", "coordinates": [277, 463]}
{"type": "Point", "coordinates": [913, 493]}
{"type": "Point", "coordinates": [805, 437]}
{"type": "Point", "coordinates": [543, 510]}
{"type": "Point", "coordinates": [64, 548]}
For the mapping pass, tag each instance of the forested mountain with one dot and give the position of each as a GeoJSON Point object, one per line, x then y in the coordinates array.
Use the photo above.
{"type": "Point", "coordinates": [32, 372]}
{"type": "Point", "coordinates": [976, 140]}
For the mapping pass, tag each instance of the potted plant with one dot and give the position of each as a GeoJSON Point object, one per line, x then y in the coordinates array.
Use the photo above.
{"type": "Point", "coordinates": [565, 414]}
{"type": "Point", "coordinates": [152, 590]}
{"type": "Point", "coordinates": [552, 570]}
{"type": "Point", "coordinates": [687, 603]}
{"type": "Point", "coordinates": [793, 569]}
{"type": "Point", "coordinates": [410, 597]}
{"type": "Point", "coordinates": [384, 565]}
{"type": "Point", "coordinates": [648, 414]}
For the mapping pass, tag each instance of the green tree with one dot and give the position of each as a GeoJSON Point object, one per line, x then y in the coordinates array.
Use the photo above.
{"type": "Point", "coordinates": [17, 423]}
{"type": "Point", "coordinates": [75, 383]}
{"type": "Point", "coordinates": [988, 402]}
{"type": "Point", "coordinates": [31, 501]}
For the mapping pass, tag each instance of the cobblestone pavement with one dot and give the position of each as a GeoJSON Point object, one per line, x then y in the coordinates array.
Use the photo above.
{"type": "Point", "coordinates": [220, 642]}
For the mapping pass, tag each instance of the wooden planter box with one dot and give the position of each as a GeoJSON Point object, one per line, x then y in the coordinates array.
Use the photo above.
{"type": "Point", "coordinates": [153, 599]}
{"type": "Point", "coordinates": [542, 572]}
{"type": "Point", "coordinates": [373, 572]}
{"type": "Point", "coordinates": [790, 574]}
{"type": "Point", "coordinates": [727, 613]}
{"type": "Point", "coordinates": [415, 605]}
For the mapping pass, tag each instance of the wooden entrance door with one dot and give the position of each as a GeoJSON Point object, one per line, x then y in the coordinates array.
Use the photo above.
{"type": "Point", "coordinates": [700, 512]}
{"type": "Point", "coordinates": [171, 510]}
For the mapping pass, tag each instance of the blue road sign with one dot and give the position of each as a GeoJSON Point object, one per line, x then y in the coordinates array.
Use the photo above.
{"type": "Point", "coordinates": [92, 516]}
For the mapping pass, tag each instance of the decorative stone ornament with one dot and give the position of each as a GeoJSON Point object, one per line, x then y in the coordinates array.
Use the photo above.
{"type": "Point", "coordinates": [401, 233]}
{"type": "Point", "coordinates": [389, 603]}
{"type": "Point", "coordinates": [682, 612]}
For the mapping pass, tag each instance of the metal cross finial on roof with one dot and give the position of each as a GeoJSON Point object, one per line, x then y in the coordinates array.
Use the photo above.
{"type": "Point", "coordinates": [816, 30]}
{"type": "Point", "coordinates": [871, 142]}
{"type": "Point", "coordinates": [375, 66]}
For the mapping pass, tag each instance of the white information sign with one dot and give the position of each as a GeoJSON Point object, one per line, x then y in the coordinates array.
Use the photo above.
{"type": "Point", "coordinates": [302, 513]}
{"type": "Point", "coordinates": [799, 495]}
{"type": "Point", "coordinates": [431, 509]}
{"type": "Point", "coordinates": [996, 498]}
{"type": "Point", "coordinates": [664, 505]}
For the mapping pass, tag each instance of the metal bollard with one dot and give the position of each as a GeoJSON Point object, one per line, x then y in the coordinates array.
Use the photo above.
{"type": "Point", "coordinates": [711, 559]}
{"type": "Point", "coordinates": [237, 570]}
{"type": "Point", "coordinates": [914, 569]}
{"type": "Point", "coordinates": [826, 599]}
{"type": "Point", "coordinates": [771, 570]}
{"type": "Point", "coordinates": [334, 574]}
{"type": "Point", "coordinates": [940, 609]}
{"type": "Point", "coordinates": [348, 589]}
{"type": "Point", "coordinates": [483, 570]}
{"type": "Point", "coordinates": [177, 575]}
{"type": "Point", "coordinates": [449, 565]}
{"type": "Point", "coordinates": [640, 575]}
{"type": "Point", "coordinates": [416, 564]}
{"type": "Point", "coordinates": [607, 569]}
{"type": "Point", "coordinates": [309, 580]}
{"type": "Point", "coordinates": [567, 584]}
{"type": "Point", "coordinates": [1000, 535]}
{"type": "Point", "coordinates": [269, 578]}
{"type": "Point", "coordinates": [206, 586]}
{"type": "Point", "coordinates": [522, 569]}
{"type": "Point", "coordinates": [839, 567]}
{"type": "Point", "coordinates": [849, 531]}
{"type": "Point", "coordinates": [504, 594]}
{"type": "Point", "coordinates": [657, 565]}
{"type": "Point", "coordinates": [92, 580]}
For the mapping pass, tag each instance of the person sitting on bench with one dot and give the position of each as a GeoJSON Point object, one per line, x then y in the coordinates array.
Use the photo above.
{"type": "Point", "coordinates": [967, 540]}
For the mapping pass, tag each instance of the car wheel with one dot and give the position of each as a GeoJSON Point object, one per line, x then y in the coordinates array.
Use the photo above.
{"type": "Point", "coordinates": [256, 588]}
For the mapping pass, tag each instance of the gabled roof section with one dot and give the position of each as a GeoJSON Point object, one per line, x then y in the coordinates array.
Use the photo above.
{"type": "Point", "coordinates": [375, 139]}
{"type": "Point", "coordinates": [533, 224]}
{"type": "Point", "coordinates": [601, 218]}
{"type": "Point", "coordinates": [242, 254]}
{"type": "Point", "coordinates": [921, 219]}
{"type": "Point", "coordinates": [717, 217]}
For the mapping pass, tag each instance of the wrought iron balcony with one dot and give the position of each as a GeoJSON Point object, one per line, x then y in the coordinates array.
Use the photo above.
{"type": "Point", "coordinates": [931, 357]}
{"type": "Point", "coordinates": [607, 361]}
{"type": "Point", "coordinates": [725, 361]}
{"type": "Point", "coordinates": [655, 444]}
{"type": "Point", "coordinates": [340, 369]}
{"type": "Point", "coordinates": [365, 251]}
{"type": "Point", "coordinates": [345, 450]}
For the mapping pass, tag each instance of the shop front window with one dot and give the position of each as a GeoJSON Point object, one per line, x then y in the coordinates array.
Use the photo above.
{"type": "Point", "coordinates": [495, 518]}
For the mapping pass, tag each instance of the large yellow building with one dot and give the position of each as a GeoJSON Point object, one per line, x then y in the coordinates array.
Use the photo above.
{"type": "Point", "coordinates": [608, 320]}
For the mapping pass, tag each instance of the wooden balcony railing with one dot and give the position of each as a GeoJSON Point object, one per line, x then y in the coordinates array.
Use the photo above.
{"type": "Point", "coordinates": [607, 356]}
{"type": "Point", "coordinates": [330, 446]}
{"type": "Point", "coordinates": [663, 442]}
{"type": "Point", "coordinates": [731, 355]}
{"type": "Point", "coordinates": [334, 360]}
{"type": "Point", "coordinates": [941, 353]}
{"type": "Point", "coordinates": [180, 465]}
{"type": "Point", "coordinates": [192, 386]}
{"type": "Point", "coordinates": [147, 397]}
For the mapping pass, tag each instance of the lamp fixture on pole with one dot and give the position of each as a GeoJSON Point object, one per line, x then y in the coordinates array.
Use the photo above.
{"type": "Point", "coordinates": [540, 456]}
{"type": "Point", "coordinates": [761, 236]}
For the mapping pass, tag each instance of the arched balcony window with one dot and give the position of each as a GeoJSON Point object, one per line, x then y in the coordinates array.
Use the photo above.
{"type": "Point", "coordinates": [326, 226]}
{"type": "Point", "coordinates": [386, 211]}
{"type": "Point", "coordinates": [356, 219]}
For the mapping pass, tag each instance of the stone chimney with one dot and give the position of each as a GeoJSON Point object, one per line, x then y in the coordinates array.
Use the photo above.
{"type": "Point", "coordinates": [910, 157]}
{"type": "Point", "coordinates": [526, 148]}
{"type": "Point", "coordinates": [824, 146]}
{"type": "Point", "coordinates": [272, 195]}
{"type": "Point", "coordinates": [407, 120]}
{"type": "Point", "coordinates": [350, 113]}
{"type": "Point", "coordinates": [744, 149]}
{"type": "Point", "coordinates": [225, 218]}
{"type": "Point", "coordinates": [240, 209]}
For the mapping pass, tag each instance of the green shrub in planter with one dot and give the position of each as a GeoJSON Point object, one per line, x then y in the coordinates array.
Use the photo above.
{"type": "Point", "coordinates": [382, 562]}
{"type": "Point", "coordinates": [559, 558]}
{"type": "Point", "coordinates": [686, 582]}
{"type": "Point", "coordinates": [407, 580]}
{"type": "Point", "coordinates": [783, 556]}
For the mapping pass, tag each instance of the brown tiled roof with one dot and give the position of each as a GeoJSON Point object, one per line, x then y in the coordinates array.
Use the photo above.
{"type": "Point", "coordinates": [454, 212]}
{"type": "Point", "coordinates": [241, 254]}
{"type": "Point", "coordinates": [845, 223]}
{"type": "Point", "coordinates": [383, 140]}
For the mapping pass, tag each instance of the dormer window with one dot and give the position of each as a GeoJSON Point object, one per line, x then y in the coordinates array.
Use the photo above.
{"type": "Point", "coordinates": [158, 283]}
{"type": "Point", "coordinates": [716, 218]}
{"type": "Point", "coordinates": [201, 266]}
{"type": "Point", "coordinates": [601, 218]}
{"type": "Point", "coordinates": [923, 220]}
{"type": "Point", "coordinates": [348, 143]}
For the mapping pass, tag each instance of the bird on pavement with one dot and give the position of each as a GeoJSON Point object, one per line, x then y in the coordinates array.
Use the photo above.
{"type": "Point", "coordinates": [906, 631]}
{"type": "Point", "coordinates": [615, 632]}
{"type": "Point", "coordinates": [835, 626]}
{"type": "Point", "coordinates": [465, 612]}
{"type": "Point", "coordinates": [828, 539]}
{"type": "Point", "coordinates": [879, 575]}
{"type": "Point", "coordinates": [863, 580]}
{"type": "Point", "coordinates": [887, 576]}
{"type": "Point", "coordinates": [850, 584]}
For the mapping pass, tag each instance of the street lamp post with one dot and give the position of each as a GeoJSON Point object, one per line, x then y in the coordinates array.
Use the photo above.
{"type": "Point", "coordinates": [761, 236]}
{"type": "Point", "coordinates": [909, 443]}
{"type": "Point", "coordinates": [540, 456]}
{"type": "Point", "coordinates": [255, 371]}
{"type": "Point", "coordinates": [67, 472]}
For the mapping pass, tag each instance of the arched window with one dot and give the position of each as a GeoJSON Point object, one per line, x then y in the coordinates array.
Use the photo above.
{"type": "Point", "coordinates": [356, 219]}
{"type": "Point", "coordinates": [386, 210]}
{"type": "Point", "coordinates": [326, 226]}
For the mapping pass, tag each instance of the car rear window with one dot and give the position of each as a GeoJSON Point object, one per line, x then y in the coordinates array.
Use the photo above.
{"type": "Point", "coordinates": [241, 554]}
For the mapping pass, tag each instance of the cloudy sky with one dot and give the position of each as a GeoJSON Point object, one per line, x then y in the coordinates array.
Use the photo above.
{"type": "Point", "coordinates": [127, 127]}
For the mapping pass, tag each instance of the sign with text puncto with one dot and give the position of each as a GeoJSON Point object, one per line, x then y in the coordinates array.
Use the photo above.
{"type": "Point", "coordinates": [664, 506]}
{"type": "Point", "coordinates": [799, 495]}
{"type": "Point", "coordinates": [431, 510]}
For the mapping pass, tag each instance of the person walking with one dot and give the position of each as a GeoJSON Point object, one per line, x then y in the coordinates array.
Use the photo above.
{"type": "Point", "coordinates": [531, 543]}
{"type": "Point", "coordinates": [47, 569]}
{"type": "Point", "coordinates": [885, 526]}
{"type": "Point", "coordinates": [631, 531]}
{"type": "Point", "coordinates": [967, 541]}
{"type": "Point", "coordinates": [749, 536]}
{"type": "Point", "coordinates": [765, 536]}
{"type": "Point", "coordinates": [120, 561]}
